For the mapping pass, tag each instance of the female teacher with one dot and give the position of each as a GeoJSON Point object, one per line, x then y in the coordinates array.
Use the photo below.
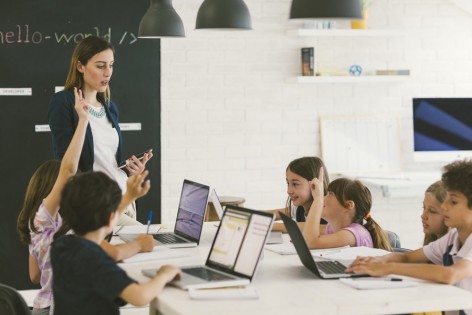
{"type": "Point", "coordinates": [90, 72]}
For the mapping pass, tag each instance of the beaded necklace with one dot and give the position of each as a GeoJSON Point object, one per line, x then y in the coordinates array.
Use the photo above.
{"type": "Point", "coordinates": [97, 114]}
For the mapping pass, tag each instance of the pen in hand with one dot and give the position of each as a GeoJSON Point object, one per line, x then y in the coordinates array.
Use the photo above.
{"type": "Point", "coordinates": [149, 221]}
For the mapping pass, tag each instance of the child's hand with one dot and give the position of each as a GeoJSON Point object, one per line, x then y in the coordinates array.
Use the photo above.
{"type": "Point", "coordinates": [169, 273]}
{"type": "Point", "coordinates": [135, 187]}
{"type": "Point", "coordinates": [81, 106]}
{"type": "Point", "coordinates": [134, 165]}
{"type": "Point", "coordinates": [373, 266]}
{"type": "Point", "coordinates": [146, 243]}
{"type": "Point", "coordinates": [317, 186]}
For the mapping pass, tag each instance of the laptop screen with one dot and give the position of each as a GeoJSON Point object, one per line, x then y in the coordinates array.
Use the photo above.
{"type": "Point", "coordinates": [239, 241]}
{"type": "Point", "coordinates": [192, 206]}
{"type": "Point", "coordinates": [216, 204]}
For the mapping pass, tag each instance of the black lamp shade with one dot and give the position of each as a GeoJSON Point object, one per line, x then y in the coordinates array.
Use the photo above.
{"type": "Point", "coordinates": [161, 20]}
{"type": "Point", "coordinates": [225, 14]}
{"type": "Point", "coordinates": [326, 9]}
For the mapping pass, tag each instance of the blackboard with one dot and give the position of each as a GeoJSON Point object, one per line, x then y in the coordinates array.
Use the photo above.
{"type": "Point", "coordinates": [37, 38]}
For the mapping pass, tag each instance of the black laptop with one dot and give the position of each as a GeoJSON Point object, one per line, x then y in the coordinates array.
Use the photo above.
{"type": "Point", "coordinates": [325, 269]}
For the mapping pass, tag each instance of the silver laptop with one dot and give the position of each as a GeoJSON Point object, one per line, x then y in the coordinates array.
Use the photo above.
{"type": "Point", "coordinates": [234, 254]}
{"type": "Point", "coordinates": [190, 217]}
{"type": "Point", "coordinates": [275, 237]}
{"type": "Point", "coordinates": [323, 268]}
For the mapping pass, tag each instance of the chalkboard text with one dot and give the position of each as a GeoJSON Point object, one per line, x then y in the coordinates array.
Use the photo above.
{"type": "Point", "coordinates": [20, 34]}
{"type": "Point", "coordinates": [23, 34]}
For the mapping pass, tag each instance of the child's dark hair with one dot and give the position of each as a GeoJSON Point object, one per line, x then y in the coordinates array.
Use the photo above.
{"type": "Point", "coordinates": [308, 167]}
{"type": "Point", "coordinates": [457, 176]}
{"type": "Point", "coordinates": [347, 189]}
{"type": "Point", "coordinates": [39, 187]}
{"type": "Point", "coordinates": [88, 200]}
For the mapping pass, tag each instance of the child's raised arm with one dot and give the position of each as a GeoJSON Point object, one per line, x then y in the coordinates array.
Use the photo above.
{"type": "Point", "coordinates": [71, 158]}
{"type": "Point", "coordinates": [136, 187]}
{"type": "Point", "coordinates": [312, 229]}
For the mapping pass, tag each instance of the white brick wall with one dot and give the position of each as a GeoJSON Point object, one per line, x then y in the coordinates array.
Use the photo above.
{"type": "Point", "coordinates": [233, 116]}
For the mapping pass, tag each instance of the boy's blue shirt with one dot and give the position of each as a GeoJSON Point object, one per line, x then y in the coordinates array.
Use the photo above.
{"type": "Point", "coordinates": [85, 279]}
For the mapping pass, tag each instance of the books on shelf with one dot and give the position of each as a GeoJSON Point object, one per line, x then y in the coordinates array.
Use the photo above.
{"type": "Point", "coordinates": [392, 72]}
{"type": "Point", "coordinates": [308, 61]}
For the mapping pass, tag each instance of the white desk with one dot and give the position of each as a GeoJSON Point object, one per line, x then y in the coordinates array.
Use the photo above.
{"type": "Point", "coordinates": [285, 285]}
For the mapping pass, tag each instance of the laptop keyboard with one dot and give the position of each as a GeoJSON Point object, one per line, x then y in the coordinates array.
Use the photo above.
{"type": "Point", "coordinates": [206, 274]}
{"type": "Point", "coordinates": [168, 238]}
{"type": "Point", "coordinates": [331, 267]}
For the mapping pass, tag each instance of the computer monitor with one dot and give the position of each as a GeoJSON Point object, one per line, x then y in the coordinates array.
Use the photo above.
{"type": "Point", "coordinates": [442, 129]}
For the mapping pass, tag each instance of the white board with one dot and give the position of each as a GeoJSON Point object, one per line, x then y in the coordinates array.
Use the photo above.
{"type": "Point", "coordinates": [360, 143]}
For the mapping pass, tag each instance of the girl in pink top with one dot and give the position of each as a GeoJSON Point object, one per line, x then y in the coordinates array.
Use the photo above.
{"type": "Point", "coordinates": [39, 218]}
{"type": "Point", "coordinates": [346, 208]}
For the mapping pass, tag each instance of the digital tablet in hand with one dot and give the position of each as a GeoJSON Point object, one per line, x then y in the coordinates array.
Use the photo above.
{"type": "Point", "coordinates": [140, 156]}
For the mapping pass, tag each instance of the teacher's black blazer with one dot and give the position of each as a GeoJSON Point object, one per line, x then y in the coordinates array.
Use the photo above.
{"type": "Point", "coordinates": [63, 121]}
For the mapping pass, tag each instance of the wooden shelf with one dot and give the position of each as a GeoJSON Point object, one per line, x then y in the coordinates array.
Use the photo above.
{"type": "Point", "coordinates": [352, 79]}
{"type": "Point", "coordinates": [344, 33]}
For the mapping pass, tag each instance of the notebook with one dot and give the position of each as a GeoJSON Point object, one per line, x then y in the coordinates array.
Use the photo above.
{"type": "Point", "coordinates": [323, 268]}
{"type": "Point", "coordinates": [275, 237]}
{"type": "Point", "coordinates": [190, 216]}
{"type": "Point", "coordinates": [234, 254]}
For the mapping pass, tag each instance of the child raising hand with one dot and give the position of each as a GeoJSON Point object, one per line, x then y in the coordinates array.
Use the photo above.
{"type": "Point", "coordinates": [346, 208]}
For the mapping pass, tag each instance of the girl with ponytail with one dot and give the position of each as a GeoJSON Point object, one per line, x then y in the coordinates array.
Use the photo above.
{"type": "Point", "coordinates": [346, 208]}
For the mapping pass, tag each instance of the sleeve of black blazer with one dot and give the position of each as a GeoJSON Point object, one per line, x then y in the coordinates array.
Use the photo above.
{"type": "Point", "coordinates": [61, 121]}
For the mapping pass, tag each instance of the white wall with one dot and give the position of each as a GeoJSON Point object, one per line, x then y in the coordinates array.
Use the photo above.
{"type": "Point", "coordinates": [233, 117]}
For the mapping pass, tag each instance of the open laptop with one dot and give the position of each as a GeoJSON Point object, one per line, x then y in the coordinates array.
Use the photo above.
{"type": "Point", "coordinates": [325, 269]}
{"type": "Point", "coordinates": [190, 217]}
{"type": "Point", "coordinates": [275, 237]}
{"type": "Point", "coordinates": [216, 204]}
{"type": "Point", "coordinates": [234, 254]}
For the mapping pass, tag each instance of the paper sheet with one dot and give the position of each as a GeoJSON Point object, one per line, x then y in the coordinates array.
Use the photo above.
{"type": "Point", "coordinates": [158, 253]}
{"type": "Point", "coordinates": [228, 293]}
{"type": "Point", "coordinates": [135, 229]}
{"type": "Point", "coordinates": [351, 253]}
{"type": "Point", "coordinates": [289, 249]}
{"type": "Point", "coordinates": [378, 283]}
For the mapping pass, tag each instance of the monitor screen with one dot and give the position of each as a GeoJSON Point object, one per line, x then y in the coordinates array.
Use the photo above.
{"type": "Point", "coordinates": [442, 129]}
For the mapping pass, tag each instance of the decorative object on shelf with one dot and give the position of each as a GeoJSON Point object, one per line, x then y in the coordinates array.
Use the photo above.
{"type": "Point", "coordinates": [308, 61]}
{"type": "Point", "coordinates": [326, 9]}
{"type": "Point", "coordinates": [355, 70]}
{"type": "Point", "coordinates": [362, 24]}
{"type": "Point", "coordinates": [161, 20]}
{"type": "Point", "coordinates": [225, 14]}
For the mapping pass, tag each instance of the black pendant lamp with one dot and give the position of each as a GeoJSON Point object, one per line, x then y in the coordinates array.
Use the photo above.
{"type": "Point", "coordinates": [224, 14]}
{"type": "Point", "coordinates": [326, 9]}
{"type": "Point", "coordinates": [161, 20]}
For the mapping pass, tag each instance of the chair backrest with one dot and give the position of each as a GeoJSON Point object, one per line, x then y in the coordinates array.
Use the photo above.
{"type": "Point", "coordinates": [11, 302]}
{"type": "Point", "coordinates": [394, 239]}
